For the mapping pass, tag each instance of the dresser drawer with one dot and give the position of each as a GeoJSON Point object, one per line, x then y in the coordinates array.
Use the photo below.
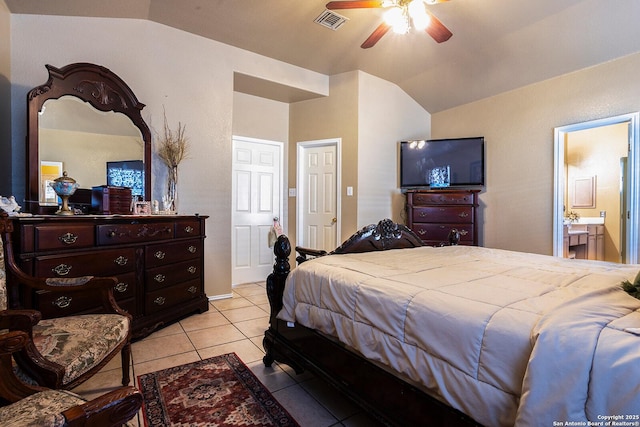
{"type": "Point", "coordinates": [112, 262]}
{"type": "Point", "coordinates": [187, 228]}
{"type": "Point", "coordinates": [171, 296]}
{"type": "Point", "coordinates": [117, 234]}
{"type": "Point", "coordinates": [50, 237]}
{"type": "Point", "coordinates": [161, 277]}
{"type": "Point", "coordinates": [442, 198]}
{"type": "Point", "coordinates": [62, 304]}
{"type": "Point", "coordinates": [445, 214]}
{"type": "Point", "coordinates": [157, 255]}
{"type": "Point", "coordinates": [438, 233]}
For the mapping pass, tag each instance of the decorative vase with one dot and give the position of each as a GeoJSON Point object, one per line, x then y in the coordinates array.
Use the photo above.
{"type": "Point", "coordinates": [64, 187]}
{"type": "Point", "coordinates": [171, 199]}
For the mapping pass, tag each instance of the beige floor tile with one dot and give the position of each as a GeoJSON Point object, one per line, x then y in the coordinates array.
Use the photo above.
{"type": "Point", "coordinates": [244, 313]}
{"type": "Point", "coordinates": [249, 289]}
{"type": "Point", "coordinates": [216, 335]}
{"type": "Point", "coordinates": [246, 350]}
{"type": "Point", "coordinates": [253, 328]}
{"type": "Point", "coordinates": [202, 321]}
{"type": "Point", "coordinates": [152, 348]}
{"type": "Point", "coordinates": [99, 384]}
{"type": "Point", "coordinates": [166, 362]}
{"type": "Point", "coordinates": [171, 329]}
{"type": "Point", "coordinates": [231, 303]}
{"type": "Point", "coordinates": [260, 299]}
{"type": "Point", "coordinates": [307, 411]}
{"type": "Point", "coordinates": [274, 378]}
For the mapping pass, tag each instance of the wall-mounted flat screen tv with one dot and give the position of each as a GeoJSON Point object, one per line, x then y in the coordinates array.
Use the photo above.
{"type": "Point", "coordinates": [456, 162]}
{"type": "Point", "coordinates": [127, 173]}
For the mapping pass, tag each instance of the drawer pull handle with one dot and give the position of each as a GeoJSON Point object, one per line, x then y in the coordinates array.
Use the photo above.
{"type": "Point", "coordinates": [192, 289]}
{"type": "Point", "coordinates": [463, 214]}
{"type": "Point", "coordinates": [422, 232]}
{"type": "Point", "coordinates": [111, 233]}
{"type": "Point", "coordinates": [159, 300]}
{"type": "Point", "coordinates": [188, 229]}
{"type": "Point", "coordinates": [192, 249]}
{"type": "Point", "coordinates": [159, 255]}
{"type": "Point", "coordinates": [62, 302]}
{"type": "Point", "coordinates": [68, 238]}
{"type": "Point", "coordinates": [192, 269]}
{"type": "Point", "coordinates": [121, 261]}
{"type": "Point", "coordinates": [463, 232]}
{"type": "Point", "coordinates": [62, 269]}
{"type": "Point", "coordinates": [422, 214]}
{"type": "Point", "coordinates": [121, 287]}
{"type": "Point", "coordinates": [159, 278]}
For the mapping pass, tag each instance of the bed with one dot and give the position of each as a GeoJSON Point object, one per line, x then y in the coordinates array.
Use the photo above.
{"type": "Point", "coordinates": [460, 335]}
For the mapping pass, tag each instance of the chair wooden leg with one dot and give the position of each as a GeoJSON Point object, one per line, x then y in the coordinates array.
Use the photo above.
{"type": "Point", "coordinates": [126, 362]}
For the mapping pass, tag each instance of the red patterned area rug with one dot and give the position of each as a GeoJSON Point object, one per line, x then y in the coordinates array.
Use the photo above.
{"type": "Point", "coordinates": [220, 391]}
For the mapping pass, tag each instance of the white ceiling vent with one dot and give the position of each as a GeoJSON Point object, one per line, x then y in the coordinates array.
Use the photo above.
{"type": "Point", "coordinates": [330, 20]}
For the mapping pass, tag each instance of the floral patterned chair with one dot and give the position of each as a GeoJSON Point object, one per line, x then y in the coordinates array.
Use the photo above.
{"type": "Point", "coordinates": [62, 353]}
{"type": "Point", "coordinates": [38, 406]}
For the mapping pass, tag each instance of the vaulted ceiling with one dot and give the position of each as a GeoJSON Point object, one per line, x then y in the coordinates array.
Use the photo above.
{"type": "Point", "coordinates": [497, 45]}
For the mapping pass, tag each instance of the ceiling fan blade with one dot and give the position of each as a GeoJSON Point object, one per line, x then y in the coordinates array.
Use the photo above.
{"type": "Point", "coordinates": [332, 5]}
{"type": "Point", "coordinates": [375, 36]}
{"type": "Point", "coordinates": [437, 30]}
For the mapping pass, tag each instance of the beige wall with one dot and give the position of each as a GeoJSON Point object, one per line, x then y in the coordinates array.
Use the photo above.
{"type": "Point", "coordinates": [335, 116]}
{"type": "Point", "coordinates": [516, 206]}
{"type": "Point", "coordinates": [189, 76]}
{"type": "Point", "coordinates": [5, 101]}
{"type": "Point", "coordinates": [386, 115]}
{"type": "Point", "coordinates": [370, 115]}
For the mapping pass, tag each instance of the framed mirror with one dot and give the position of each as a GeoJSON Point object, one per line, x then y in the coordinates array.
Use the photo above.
{"type": "Point", "coordinates": [87, 121]}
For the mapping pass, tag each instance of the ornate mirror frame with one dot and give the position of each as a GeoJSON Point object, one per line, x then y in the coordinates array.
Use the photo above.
{"type": "Point", "coordinates": [99, 87]}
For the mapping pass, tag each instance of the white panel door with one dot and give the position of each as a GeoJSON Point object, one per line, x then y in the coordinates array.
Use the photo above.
{"type": "Point", "coordinates": [256, 201]}
{"type": "Point", "coordinates": [318, 197]}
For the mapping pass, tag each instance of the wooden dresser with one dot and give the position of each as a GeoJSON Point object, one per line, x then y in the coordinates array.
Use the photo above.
{"type": "Point", "coordinates": [431, 214]}
{"type": "Point", "coordinates": [159, 261]}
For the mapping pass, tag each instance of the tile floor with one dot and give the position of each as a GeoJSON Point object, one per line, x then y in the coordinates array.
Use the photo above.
{"type": "Point", "coordinates": [234, 325]}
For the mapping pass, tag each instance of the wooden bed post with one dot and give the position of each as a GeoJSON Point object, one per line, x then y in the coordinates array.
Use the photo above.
{"type": "Point", "coordinates": [275, 289]}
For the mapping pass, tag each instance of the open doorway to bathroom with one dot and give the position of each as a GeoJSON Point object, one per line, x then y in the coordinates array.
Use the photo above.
{"type": "Point", "coordinates": [596, 190]}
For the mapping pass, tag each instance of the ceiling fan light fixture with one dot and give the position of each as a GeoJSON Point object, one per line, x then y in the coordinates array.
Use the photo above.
{"type": "Point", "coordinates": [397, 19]}
{"type": "Point", "coordinates": [419, 15]}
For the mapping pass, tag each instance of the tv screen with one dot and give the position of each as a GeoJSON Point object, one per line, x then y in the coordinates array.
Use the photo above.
{"type": "Point", "coordinates": [127, 173]}
{"type": "Point", "coordinates": [436, 163]}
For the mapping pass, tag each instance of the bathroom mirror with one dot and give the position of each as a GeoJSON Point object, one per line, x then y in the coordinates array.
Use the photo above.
{"type": "Point", "coordinates": [81, 120]}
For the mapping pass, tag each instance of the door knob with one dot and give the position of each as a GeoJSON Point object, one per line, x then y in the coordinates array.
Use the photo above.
{"type": "Point", "coordinates": [334, 220]}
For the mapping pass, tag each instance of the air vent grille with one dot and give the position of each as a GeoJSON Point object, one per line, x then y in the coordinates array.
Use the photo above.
{"type": "Point", "coordinates": [330, 20]}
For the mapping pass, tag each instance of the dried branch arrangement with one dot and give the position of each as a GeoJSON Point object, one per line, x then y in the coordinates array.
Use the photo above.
{"type": "Point", "coordinates": [174, 146]}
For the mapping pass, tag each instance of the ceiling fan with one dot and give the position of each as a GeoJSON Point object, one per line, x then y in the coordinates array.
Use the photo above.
{"type": "Point", "coordinates": [400, 16]}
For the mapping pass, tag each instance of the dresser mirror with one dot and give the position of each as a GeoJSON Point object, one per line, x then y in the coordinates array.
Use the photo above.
{"type": "Point", "coordinates": [87, 121]}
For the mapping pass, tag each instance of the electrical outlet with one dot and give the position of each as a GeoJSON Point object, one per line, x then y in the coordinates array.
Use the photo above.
{"type": "Point", "coordinates": [292, 192]}
{"type": "Point", "coordinates": [603, 214]}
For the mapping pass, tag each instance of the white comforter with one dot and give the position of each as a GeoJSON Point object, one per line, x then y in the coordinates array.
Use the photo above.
{"type": "Point", "coordinates": [506, 337]}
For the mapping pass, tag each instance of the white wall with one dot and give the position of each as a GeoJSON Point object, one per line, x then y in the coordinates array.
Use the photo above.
{"type": "Point", "coordinates": [386, 115]}
{"type": "Point", "coordinates": [189, 76]}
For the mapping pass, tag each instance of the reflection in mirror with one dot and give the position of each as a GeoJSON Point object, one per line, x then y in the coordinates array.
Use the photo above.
{"type": "Point", "coordinates": [85, 120]}
{"type": "Point", "coordinates": [84, 139]}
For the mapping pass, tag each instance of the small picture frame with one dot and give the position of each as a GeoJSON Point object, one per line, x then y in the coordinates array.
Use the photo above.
{"type": "Point", "coordinates": [141, 208]}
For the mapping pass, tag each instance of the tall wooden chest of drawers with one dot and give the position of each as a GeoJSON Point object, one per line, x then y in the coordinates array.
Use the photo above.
{"type": "Point", "coordinates": [158, 260]}
{"type": "Point", "coordinates": [432, 214]}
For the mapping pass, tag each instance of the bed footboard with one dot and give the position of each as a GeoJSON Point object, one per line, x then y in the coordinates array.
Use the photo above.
{"type": "Point", "coordinates": [385, 396]}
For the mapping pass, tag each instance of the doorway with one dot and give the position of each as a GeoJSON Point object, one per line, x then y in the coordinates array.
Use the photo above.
{"type": "Point", "coordinates": [256, 201]}
{"type": "Point", "coordinates": [318, 204]}
{"type": "Point", "coordinates": [626, 189]}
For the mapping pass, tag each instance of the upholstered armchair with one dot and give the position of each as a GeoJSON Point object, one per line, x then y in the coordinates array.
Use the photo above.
{"type": "Point", "coordinates": [37, 406]}
{"type": "Point", "coordinates": [63, 352]}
